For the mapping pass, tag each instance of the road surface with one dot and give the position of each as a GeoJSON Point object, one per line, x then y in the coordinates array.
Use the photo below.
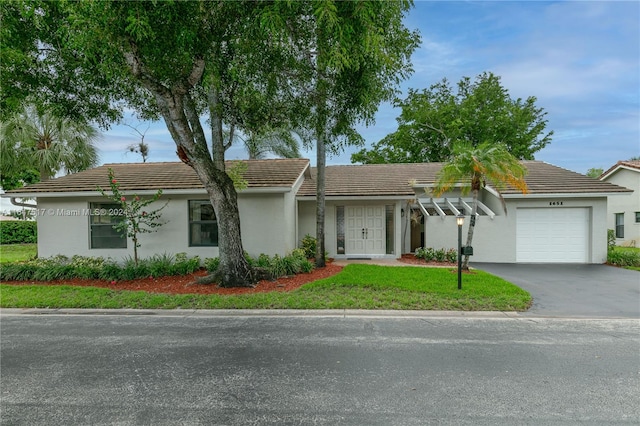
{"type": "Point", "coordinates": [172, 368]}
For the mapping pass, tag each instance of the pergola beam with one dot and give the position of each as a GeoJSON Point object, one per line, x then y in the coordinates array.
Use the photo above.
{"type": "Point", "coordinates": [452, 207]}
{"type": "Point", "coordinates": [438, 209]}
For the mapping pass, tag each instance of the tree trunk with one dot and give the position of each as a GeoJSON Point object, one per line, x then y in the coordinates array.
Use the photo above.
{"type": "Point", "coordinates": [135, 249]}
{"type": "Point", "coordinates": [183, 122]}
{"type": "Point", "coordinates": [321, 159]}
{"type": "Point", "coordinates": [472, 226]}
{"type": "Point", "coordinates": [234, 270]}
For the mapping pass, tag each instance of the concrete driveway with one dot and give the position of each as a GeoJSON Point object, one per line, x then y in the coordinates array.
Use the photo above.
{"type": "Point", "coordinates": [571, 290]}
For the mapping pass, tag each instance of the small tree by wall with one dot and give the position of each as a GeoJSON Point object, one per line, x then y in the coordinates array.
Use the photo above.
{"type": "Point", "coordinates": [137, 220]}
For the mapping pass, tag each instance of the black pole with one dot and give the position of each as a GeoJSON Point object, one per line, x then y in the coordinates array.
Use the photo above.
{"type": "Point", "coordinates": [459, 257]}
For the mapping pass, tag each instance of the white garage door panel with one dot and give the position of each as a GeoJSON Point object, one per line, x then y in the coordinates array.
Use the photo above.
{"type": "Point", "coordinates": [556, 235]}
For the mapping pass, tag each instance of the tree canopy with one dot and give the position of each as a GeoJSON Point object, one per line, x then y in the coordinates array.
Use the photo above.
{"type": "Point", "coordinates": [594, 172]}
{"type": "Point", "coordinates": [244, 65]}
{"type": "Point", "coordinates": [354, 56]}
{"type": "Point", "coordinates": [479, 111]}
{"type": "Point", "coordinates": [36, 139]}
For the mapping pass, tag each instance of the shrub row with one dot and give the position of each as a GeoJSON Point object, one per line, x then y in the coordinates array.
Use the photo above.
{"type": "Point", "coordinates": [18, 232]}
{"type": "Point", "coordinates": [430, 254]}
{"type": "Point", "coordinates": [62, 267]}
{"type": "Point", "coordinates": [621, 257]}
{"type": "Point", "coordinates": [275, 266]}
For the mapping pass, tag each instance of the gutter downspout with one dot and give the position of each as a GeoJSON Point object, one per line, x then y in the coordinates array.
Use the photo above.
{"type": "Point", "coordinates": [15, 202]}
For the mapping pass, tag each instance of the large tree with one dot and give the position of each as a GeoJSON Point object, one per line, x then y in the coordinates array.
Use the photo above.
{"type": "Point", "coordinates": [353, 56]}
{"type": "Point", "coordinates": [474, 167]}
{"type": "Point", "coordinates": [244, 65]}
{"type": "Point", "coordinates": [36, 139]}
{"type": "Point", "coordinates": [176, 60]}
{"type": "Point", "coordinates": [482, 110]}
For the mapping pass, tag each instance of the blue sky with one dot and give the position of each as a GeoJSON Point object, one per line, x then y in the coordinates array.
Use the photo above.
{"type": "Point", "coordinates": [580, 59]}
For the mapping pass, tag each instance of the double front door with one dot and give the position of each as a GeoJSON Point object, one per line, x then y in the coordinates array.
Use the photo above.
{"type": "Point", "coordinates": [365, 230]}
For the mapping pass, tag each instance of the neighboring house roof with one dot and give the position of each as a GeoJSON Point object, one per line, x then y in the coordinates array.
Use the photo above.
{"type": "Point", "coordinates": [167, 176]}
{"type": "Point", "coordinates": [393, 179]}
{"type": "Point", "coordinates": [633, 165]}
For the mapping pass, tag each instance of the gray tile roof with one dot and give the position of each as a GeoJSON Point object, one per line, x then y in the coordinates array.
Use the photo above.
{"type": "Point", "coordinates": [393, 179]}
{"type": "Point", "coordinates": [351, 180]}
{"type": "Point", "coordinates": [173, 175]}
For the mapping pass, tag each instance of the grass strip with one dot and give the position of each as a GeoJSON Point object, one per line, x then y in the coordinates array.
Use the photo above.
{"type": "Point", "coordinates": [17, 252]}
{"type": "Point", "coordinates": [356, 287]}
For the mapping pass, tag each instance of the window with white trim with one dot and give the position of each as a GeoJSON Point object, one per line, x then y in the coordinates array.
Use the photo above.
{"type": "Point", "coordinates": [203, 225]}
{"type": "Point", "coordinates": [101, 221]}
{"type": "Point", "coordinates": [619, 225]}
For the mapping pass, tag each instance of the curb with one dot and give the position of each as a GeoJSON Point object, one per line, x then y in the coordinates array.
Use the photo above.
{"type": "Point", "coordinates": [324, 313]}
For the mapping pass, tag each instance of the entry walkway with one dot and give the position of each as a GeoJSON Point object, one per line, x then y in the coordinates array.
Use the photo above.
{"type": "Point", "coordinates": [384, 262]}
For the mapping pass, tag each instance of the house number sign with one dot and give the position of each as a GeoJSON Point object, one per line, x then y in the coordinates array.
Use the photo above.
{"type": "Point", "coordinates": [555, 203]}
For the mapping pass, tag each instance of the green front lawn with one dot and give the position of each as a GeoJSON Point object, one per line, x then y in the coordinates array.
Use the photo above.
{"type": "Point", "coordinates": [355, 287]}
{"type": "Point", "coordinates": [17, 252]}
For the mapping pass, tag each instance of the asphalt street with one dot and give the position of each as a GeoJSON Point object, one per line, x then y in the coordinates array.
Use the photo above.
{"type": "Point", "coordinates": [172, 368]}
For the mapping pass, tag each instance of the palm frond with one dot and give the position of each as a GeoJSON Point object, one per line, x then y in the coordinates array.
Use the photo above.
{"type": "Point", "coordinates": [49, 143]}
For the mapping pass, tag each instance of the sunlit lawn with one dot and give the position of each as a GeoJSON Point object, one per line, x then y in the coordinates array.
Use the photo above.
{"type": "Point", "coordinates": [17, 252]}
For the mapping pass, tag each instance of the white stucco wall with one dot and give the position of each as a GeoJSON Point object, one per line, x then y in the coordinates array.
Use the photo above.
{"type": "Point", "coordinates": [266, 227]}
{"type": "Point", "coordinates": [627, 203]}
{"type": "Point", "coordinates": [494, 240]}
{"type": "Point", "coordinates": [307, 221]}
{"type": "Point", "coordinates": [266, 224]}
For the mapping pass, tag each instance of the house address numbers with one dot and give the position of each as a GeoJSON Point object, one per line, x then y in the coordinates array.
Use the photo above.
{"type": "Point", "coordinates": [555, 203]}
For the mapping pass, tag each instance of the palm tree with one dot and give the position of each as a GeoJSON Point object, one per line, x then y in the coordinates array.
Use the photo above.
{"type": "Point", "coordinates": [280, 142]}
{"type": "Point", "coordinates": [475, 166]}
{"type": "Point", "coordinates": [37, 139]}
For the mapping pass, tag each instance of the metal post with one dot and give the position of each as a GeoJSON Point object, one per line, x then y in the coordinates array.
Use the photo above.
{"type": "Point", "coordinates": [459, 256]}
{"type": "Point", "coordinates": [460, 222]}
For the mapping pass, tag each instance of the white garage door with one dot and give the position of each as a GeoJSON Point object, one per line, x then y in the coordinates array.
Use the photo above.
{"type": "Point", "coordinates": [556, 235]}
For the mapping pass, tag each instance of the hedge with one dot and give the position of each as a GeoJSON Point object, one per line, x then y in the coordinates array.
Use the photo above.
{"type": "Point", "coordinates": [18, 232]}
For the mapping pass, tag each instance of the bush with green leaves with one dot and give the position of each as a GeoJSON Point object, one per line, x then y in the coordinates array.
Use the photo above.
{"type": "Point", "coordinates": [451, 255]}
{"type": "Point", "coordinates": [277, 266]}
{"type": "Point", "coordinates": [61, 267]}
{"type": "Point", "coordinates": [621, 257]}
{"type": "Point", "coordinates": [308, 244]}
{"type": "Point", "coordinates": [429, 254]}
{"type": "Point", "coordinates": [440, 255]}
{"type": "Point", "coordinates": [18, 232]}
{"type": "Point", "coordinates": [211, 264]}
{"type": "Point", "coordinates": [611, 239]}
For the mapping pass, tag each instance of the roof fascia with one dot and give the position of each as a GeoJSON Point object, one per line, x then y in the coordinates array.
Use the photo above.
{"type": "Point", "coordinates": [616, 169]}
{"type": "Point", "coordinates": [357, 198]}
{"type": "Point", "coordinates": [198, 191]}
{"type": "Point", "coordinates": [562, 195]}
{"type": "Point", "coordinates": [305, 174]}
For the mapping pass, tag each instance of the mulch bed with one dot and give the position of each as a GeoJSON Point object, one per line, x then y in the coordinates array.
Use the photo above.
{"type": "Point", "coordinates": [185, 284]}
